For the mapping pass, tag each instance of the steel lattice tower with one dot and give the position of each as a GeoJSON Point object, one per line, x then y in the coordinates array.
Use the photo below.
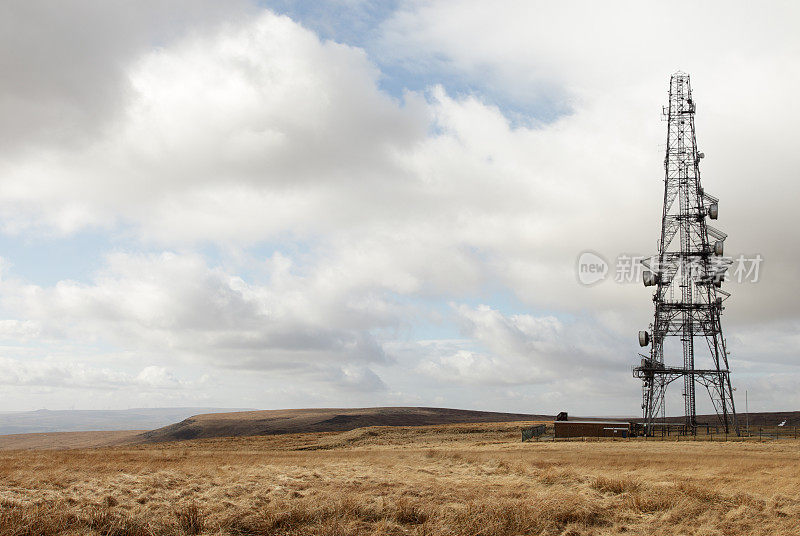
{"type": "Point", "coordinates": [687, 274]}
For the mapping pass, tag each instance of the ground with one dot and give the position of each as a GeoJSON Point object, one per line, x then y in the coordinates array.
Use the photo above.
{"type": "Point", "coordinates": [73, 440]}
{"type": "Point", "coordinates": [475, 479]}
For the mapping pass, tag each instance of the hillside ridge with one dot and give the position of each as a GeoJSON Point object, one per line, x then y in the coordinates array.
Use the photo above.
{"type": "Point", "coordinates": [291, 421]}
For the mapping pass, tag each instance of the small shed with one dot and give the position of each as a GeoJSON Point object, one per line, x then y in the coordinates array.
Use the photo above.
{"type": "Point", "coordinates": [592, 429]}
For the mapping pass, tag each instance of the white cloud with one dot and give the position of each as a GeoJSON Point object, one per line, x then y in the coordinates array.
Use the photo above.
{"type": "Point", "coordinates": [249, 131]}
{"type": "Point", "coordinates": [519, 349]}
{"type": "Point", "coordinates": [64, 66]}
{"type": "Point", "coordinates": [156, 377]}
{"type": "Point", "coordinates": [175, 305]}
{"type": "Point", "coordinates": [610, 68]}
{"type": "Point", "coordinates": [54, 373]}
{"type": "Point", "coordinates": [20, 330]}
{"type": "Point", "coordinates": [253, 130]}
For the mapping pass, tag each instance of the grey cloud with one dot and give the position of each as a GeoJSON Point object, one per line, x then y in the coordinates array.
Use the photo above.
{"type": "Point", "coordinates": [256, 131]}
{"type": "Point", "coordinates": [177, 303]}
{"type": "Point", "coordinates": [259, 118]}
{"type": "Point", "coordinates": [64, 64]}
{"type": "Point", "coordinates": [54, 373]}
{"type": "Point", "coordinates": [358, 379]}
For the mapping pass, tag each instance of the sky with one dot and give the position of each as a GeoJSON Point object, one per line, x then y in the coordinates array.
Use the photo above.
{"type": "Point", "coordinates": [353, 203]}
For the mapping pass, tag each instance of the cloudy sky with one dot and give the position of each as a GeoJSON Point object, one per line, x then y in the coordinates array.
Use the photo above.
{"type": "Point", "coordinates": [355, 203]}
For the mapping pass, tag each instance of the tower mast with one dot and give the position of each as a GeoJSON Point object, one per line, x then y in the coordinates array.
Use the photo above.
{"type": "Point", "coordinates": [687, 274]}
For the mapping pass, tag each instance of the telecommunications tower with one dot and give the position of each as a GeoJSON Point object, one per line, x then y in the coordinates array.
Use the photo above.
{"type": "Point", "coordinates": [687, 273]}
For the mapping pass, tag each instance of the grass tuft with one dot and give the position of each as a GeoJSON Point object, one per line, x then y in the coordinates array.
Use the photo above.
{"type": "Point", "coordinates": [190, 520]}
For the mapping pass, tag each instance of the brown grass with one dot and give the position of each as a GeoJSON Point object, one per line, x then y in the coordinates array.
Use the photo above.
{"type": "Point", "coordinates": [442, 480]}
{"type": "Point", "coordinates": [62, 440]}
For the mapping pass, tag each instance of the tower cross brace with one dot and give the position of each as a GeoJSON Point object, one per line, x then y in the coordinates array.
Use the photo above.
{"type": "Point", "coordinates": [687, 274]}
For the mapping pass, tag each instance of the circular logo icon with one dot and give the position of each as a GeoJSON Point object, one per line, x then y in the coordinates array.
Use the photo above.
{"type": "Point", "coordinates": [591, 268]}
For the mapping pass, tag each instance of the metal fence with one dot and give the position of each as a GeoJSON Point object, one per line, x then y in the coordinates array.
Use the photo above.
{"type": "Point", "coordinates": [679, 432]}
{"type": "Point", "coordinates": [533, 432]}
{"type": "Point", "coordinates": [772, 432]}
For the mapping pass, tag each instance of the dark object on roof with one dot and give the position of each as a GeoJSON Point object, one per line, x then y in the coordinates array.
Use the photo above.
{"type": "Point", "coordinates": [562, 416]}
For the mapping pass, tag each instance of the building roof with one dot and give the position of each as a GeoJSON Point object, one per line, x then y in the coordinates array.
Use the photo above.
{"type": "Point", "coordinates": [624, 423]}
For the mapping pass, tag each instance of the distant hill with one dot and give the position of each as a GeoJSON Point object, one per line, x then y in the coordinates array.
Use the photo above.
{"type": "Point", "coordinates": [47, 421]}
{"type": "Point", "coordinates": [125, 427]}
{"type": "Point", "coordinates": [770, 418]}
{"type": "Point", "coordinates": [66, 440]}
{"type": "Point", "coordinates": [764, 418]}
{"type": "Point", "coordinates": [289, 421]}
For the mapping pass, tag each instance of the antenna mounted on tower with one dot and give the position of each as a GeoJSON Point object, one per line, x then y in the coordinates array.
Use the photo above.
{"type": "Point", "coordinates": [687, 274]}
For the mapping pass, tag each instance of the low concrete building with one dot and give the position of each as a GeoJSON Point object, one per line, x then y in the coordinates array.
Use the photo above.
{"type": "Point", "coordinates": [565, 429]}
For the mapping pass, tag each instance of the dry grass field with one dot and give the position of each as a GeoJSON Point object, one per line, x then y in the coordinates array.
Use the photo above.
{"type": "Point", "coordinates": [474, 479]}
{"type": "Point", "coordinates": [70, 440]}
